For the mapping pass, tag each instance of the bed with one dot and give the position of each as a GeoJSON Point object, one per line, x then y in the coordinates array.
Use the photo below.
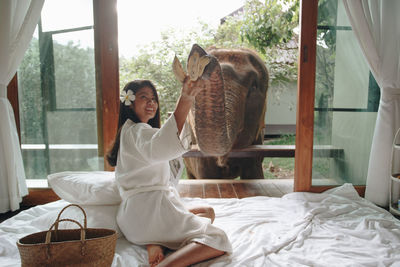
{"type": "Point", "coordinates": [334, 228]}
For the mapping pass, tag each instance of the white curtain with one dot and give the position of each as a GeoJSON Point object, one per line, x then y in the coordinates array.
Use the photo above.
{"type": "Point", "coordinates": [18, 19]}
{"type": "Point", "coordinates": [376, 24]}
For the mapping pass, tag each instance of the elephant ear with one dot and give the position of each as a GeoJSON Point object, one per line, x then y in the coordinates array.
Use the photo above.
{"type": "Point", "coordinates": [209, 108]}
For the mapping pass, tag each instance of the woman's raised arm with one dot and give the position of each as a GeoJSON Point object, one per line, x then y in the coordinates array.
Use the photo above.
{"type": "Point", "coordinates": [189, 90]}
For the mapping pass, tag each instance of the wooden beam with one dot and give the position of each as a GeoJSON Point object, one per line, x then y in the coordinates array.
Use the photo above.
{"type": "Point", "coordinates": [305, 95]}
{"type": "Point", "coordinates": [216, 188]}
{"type": "Point", "coordinates": [319, 189]}
{"type": "Point", "coordinates": [39, 196]}
{"type": "Point", "coordinates": [107, 73]}
{"type": "Point", "coordinates": [285, 151]}
{"type": "Point", "coordinates": [12, 95]}
{"type": "Point", "coordinates": [279, 151]}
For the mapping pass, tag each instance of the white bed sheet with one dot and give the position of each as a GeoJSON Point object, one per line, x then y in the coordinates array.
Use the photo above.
{"type": "Point", "coordinates": [335, 228]}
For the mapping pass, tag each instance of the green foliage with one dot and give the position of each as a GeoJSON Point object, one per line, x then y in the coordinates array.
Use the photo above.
{"type": "Point", "coordinates": [267, 28]}
{"type": "Point", "coordinates": [74, 75]}
{"type": "Point", "coordinates": [282, 168]}
{"type": "Point", "coordinates": [269, 24]}
{"type": "Point", "coordinates": [228, 34]}
{"type": "Point", "coordinates": [155, 63]}
{"type": "Point", "coordinates": [30, 96]}
{"type": "Point", "coordinates": [286, 139]}
{"type": "Point", "coordinates": [74, 86]}
{"type": "Point", "coordinates": [325, 70]}
{"type": "Point", "coordinates": [274, 168]}
{"type": "Point", "coordinates": [43, 110]}
{"type": "Point", "coordinates": [74, 72]}
{"type": "Point", "coordinates": [270, 28]}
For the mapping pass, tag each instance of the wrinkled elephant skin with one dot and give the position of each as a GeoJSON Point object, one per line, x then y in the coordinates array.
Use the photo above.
{"type": "Point", "coordinates": [228, 114]}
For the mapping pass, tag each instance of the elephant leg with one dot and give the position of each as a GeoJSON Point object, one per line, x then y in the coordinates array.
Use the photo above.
{"type": "Point", "coordinates": [190, 174]}
{"type": "Point", "coordinates": [251, 168]}
{"type": "Point", "coordinates": [189, 171]}
{"type": "Point", "coordinates": [199, 168]}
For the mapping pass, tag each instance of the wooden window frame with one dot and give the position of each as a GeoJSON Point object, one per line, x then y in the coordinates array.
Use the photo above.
{"type": "Point", "coordinates": [107, 75]}
{"type": "Point", "coordinates": [305, 101]}
{"type": "Point", "coordinates": [107, 82]}
{"type": "Point", "coordinates": [107, 88]}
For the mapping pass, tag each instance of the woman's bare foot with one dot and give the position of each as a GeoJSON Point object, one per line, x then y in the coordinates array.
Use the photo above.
{"type": "Point", "coordinates": [190, 254]}
{"type": "Point", "coordinates": [155, 254]}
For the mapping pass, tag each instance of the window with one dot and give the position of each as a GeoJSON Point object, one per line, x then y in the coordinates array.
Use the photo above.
{"type": "Point", "coordinates": [346, 101]}
{"type": "Point", "coordinates": [57, 92]}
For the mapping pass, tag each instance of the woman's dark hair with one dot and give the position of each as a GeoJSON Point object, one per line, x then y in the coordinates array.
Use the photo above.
{"type": "Point", "coordinates": [126, 112]}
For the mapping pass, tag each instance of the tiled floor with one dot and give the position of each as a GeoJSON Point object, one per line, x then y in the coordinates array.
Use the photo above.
{"type": "Point", "coordinates": [234, 188]}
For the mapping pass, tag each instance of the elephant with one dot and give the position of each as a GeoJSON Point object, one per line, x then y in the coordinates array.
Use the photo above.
{"type": "Point", "coordinates": [229, 112]}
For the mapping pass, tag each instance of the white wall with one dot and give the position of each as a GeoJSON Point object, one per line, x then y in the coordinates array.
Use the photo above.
{"type": "Point", "coordinates": [281, 105]}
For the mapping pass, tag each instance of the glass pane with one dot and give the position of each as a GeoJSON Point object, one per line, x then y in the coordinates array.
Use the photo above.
{"type": "Point", "coordinates": [75, 74]}
{"type": "Point", "coordinates": [31, 106]}
{"type": "Point", "coordinates": [344, 120]}
{"type": "Point", "coordinates": [73, 140]}
{"type": "Point", "coordinates": [57, 95]}
{"type": "Point", "coordinates": [66, 14]}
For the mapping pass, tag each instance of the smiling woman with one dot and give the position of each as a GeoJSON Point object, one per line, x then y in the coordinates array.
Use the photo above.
{"type": "Point", "coordinates": [145, 104]}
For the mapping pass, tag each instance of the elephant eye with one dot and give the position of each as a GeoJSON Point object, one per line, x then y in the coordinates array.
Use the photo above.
{"type": "Point", "coordinates": [254, 86]}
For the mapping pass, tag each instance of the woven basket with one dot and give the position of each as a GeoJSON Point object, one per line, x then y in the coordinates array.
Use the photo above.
{"type": "Point", "coordinates": [68, 247]}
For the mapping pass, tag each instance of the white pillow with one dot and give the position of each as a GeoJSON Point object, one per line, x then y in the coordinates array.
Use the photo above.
{"type": "Point", "coordinates": [97, 217]}
{"type": "Point", "coordinates": [86, 188]}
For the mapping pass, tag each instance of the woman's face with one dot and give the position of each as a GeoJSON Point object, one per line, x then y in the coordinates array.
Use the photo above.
{"type": "Point", "coordinates": [145, 104]}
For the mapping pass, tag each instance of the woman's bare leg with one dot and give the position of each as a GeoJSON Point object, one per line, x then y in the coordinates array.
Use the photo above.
{"type": "Point", "coordinates": [155, 254]}
{"type": "Point", "coordinates": [207, 212]}
{"type": "Point", "coordinates": [190, 254]}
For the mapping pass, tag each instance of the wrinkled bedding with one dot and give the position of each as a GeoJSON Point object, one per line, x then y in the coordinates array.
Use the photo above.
{"type": "Point", "coordinates": [334, 228]}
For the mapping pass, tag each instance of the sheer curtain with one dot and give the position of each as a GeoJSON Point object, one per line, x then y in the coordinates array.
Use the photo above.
{"type": "Point", "coordinates": [18, 20]}
{"type": "Point", "coordinates": [376, 24]}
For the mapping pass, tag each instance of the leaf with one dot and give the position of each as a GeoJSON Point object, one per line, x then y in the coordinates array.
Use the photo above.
{"type": "Point", "coordinates": [192, 66]}
{"type": "Point", "coordinates": [178, 70]}
{"type": "Point", "coordinates": [203, 62]}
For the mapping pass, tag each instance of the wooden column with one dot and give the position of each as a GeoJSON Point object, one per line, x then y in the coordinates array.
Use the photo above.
{"type": "Point", "coordinates": [305, 95]}
{"type": "Point", "coordinates": [12, 95]}
{"type": "Point", "coordinates": [107, 72]}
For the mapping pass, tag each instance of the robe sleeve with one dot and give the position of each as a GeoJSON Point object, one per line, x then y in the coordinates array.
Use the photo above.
{"type": "Point", "coordinates": [162, 144]}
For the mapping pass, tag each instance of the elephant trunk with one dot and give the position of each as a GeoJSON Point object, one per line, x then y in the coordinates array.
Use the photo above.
{"type": "Point", "coordinates": [217, 109]}
{"type": "Point", "coordinates": [216, 121]}
{"type": "Point", "coordinates": [209, 114]}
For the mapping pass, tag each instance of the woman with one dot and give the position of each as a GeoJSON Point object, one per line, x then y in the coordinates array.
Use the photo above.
{"type": "Point", "coordinates": [151, 212]}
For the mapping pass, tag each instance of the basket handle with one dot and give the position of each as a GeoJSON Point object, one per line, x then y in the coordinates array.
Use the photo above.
{"type": "Point", "coordinates": [71, 205]}
{"type": "Point", "coordinates": [48, 234]}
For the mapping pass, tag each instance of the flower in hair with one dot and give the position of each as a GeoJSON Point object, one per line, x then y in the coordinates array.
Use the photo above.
{"type": "Point", "coordinates": [127, 97]}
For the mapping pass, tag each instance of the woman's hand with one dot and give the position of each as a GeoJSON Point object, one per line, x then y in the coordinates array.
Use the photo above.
{"type": "Point", "coordinates": [191, 88]}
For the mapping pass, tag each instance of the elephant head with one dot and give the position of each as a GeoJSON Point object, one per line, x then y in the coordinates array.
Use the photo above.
{"type": "Point", "coordinates": [229, 113]}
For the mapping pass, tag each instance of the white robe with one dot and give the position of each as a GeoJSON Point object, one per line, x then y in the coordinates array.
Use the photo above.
{"type": "Point", "coordinates": [151, 211]}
